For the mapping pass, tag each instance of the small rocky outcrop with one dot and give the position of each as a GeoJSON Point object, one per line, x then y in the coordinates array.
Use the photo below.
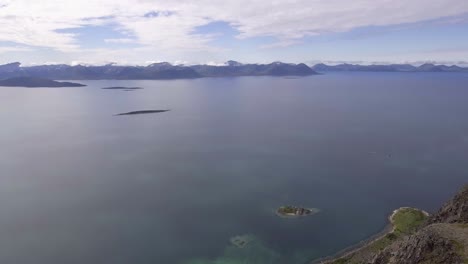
{"type": "Point", "coordinates": [140, 112]}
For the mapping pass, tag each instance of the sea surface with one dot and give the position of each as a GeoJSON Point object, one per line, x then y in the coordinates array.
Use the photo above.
{"type": "Point", "coordinates": [81, 185]}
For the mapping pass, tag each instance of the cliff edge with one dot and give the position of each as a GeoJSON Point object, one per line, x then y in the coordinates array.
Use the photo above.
{"type": "Point", "coordinates": [441, 239]}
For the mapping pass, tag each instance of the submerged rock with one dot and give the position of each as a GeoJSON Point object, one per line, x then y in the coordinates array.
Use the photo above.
{"type": "Point", "coordinates": [241, 241]}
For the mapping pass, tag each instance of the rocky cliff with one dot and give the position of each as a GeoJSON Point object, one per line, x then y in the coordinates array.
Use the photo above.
{"type": "Point", "coordinates": [441, 239]}
{"type": "Point", "coordinates": [436, 243]}
{"type": "Point", "coordinates": [454, 211]}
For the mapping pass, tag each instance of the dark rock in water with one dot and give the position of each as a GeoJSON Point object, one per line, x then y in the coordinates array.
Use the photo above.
{"type": "Point", "coordinates": [143, 112]}
{"type": "Point", "coordinates": [122, 88]}
{"type": "Point", "coordinates": [36, 82]}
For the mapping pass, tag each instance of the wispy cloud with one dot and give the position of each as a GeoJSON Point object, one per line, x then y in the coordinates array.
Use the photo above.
{"type": "Point", "coordinates": [120, 40]}
{"type": "Point", "coordinates": [169, 25]}
{"type": "Point", "coordinates": [13, 49]}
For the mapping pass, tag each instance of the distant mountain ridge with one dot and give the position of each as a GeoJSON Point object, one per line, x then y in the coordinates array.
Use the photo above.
{"type": "Point", "coordinates": [234, 68]}
{"type": "Point", "coordinates": [428, 67]}
{"type": "Point", "coordinates": [155, 71]}
{"type": "Point", "coordinates": [167, 71]}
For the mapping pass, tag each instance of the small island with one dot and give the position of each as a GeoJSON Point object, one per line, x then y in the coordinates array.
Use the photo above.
{"type": "Point", "coordinates": [142, 112]}
{"type": "Point", "coordinates": [294, 211]}
{"type": "Point", "coordinates": [122, 88]}
{"type": "Point", "coordinates": [36, 82]}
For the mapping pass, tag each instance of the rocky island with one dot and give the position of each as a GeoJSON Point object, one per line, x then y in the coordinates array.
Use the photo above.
{"type": "Point", "coordinates": [122, 88]}
{"type": "Point", "coordinates": [142, 112]}
{"type": "Point", "coordinates": [416, 237]}
{"type": "Point", "coordinates": [36, 82]}
{"type": "Point", "coordinates": [293, 211]}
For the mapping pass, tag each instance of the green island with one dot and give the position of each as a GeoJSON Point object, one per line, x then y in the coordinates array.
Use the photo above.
{"type": "Point", "coordinates": [294, 211]}
{"type": "Point", "coordinates": [404, 221]}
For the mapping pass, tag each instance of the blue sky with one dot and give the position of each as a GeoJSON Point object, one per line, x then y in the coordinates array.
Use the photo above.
{"type": "Point", "coordinates": [208, 31]}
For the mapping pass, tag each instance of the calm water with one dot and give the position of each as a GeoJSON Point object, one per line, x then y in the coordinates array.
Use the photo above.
{"type": "Point", "coordinates": [79, 185]}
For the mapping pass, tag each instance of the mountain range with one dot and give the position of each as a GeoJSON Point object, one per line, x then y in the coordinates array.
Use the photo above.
{"type": "Point", "coordinates": [428, 67]}
{"type": "Point", "coordinates": [165, 70]}
{"type": "Point", "coordinates": [155, 71]}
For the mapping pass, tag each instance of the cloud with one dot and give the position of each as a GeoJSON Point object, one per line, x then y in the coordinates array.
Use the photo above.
{"type": "Point", "coordinates": [120, 40]}
{"type": "Point", "coordinates": [13, 49]}
{"type": "Point", "coordinates": [168, 25]}
{"type": "Point", "coordinates": [281, 44]}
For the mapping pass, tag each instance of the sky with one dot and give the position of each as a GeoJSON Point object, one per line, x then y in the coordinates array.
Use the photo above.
{"type": "Point", "coordinates": [139, 32]}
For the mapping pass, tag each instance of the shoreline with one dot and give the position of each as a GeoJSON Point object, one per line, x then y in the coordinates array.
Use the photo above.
{"type": "Point", "coordinates": [388, 229]}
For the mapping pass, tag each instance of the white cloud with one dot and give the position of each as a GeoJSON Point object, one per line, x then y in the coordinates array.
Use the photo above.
{"type": "Point", "coordinates": [13, 49]}
{"type": "Point", "coordinates": [170, 25]}
{"type": "Point", "coordinates": [281, 44]}
{"type": "Point", "coordinates": [120, 40]}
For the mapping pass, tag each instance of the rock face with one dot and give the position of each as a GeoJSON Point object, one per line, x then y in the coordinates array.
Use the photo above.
{"type": "Point", "coordinates": [455, 211]}
{"type": "Point", "coordinates": [442, 239]}
{"type": "Point", "coordinates": [433, 244]}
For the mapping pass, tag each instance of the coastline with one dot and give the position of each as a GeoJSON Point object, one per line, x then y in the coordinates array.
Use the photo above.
{"type": "Point", "coordinates": [389, 228]}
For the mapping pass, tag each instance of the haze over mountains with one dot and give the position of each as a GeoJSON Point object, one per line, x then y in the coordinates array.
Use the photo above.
{"type": "Point", "coordinates": [165, 70]}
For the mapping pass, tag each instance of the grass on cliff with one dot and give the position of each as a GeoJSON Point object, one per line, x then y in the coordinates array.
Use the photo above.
{"type": "Point", "coordinates": [405, 221]}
